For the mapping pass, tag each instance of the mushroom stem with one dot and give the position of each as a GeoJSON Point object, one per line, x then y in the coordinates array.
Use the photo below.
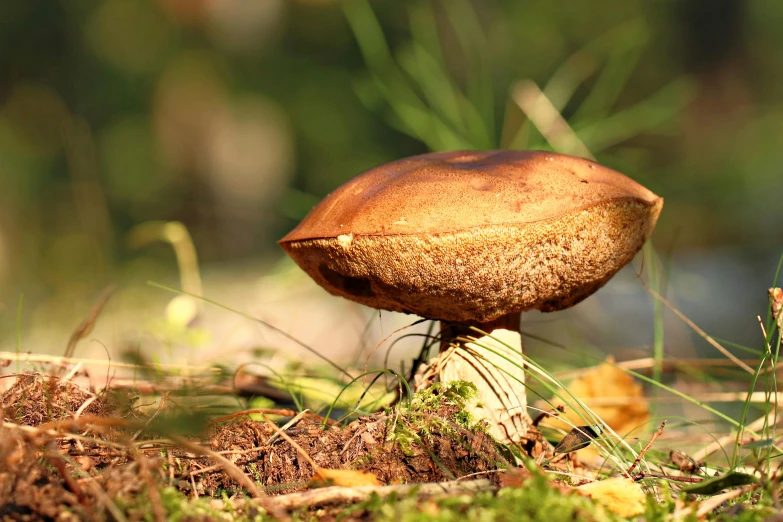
{"type": "Point", "coordinates": [494, 364]}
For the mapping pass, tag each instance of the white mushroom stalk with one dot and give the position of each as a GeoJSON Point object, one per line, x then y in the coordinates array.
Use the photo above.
{"type": "Point", "coordinates": [494, 363]}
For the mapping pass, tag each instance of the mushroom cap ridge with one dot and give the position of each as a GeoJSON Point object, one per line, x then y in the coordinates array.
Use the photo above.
{"type": "Point", "coordinates": [474, 235]}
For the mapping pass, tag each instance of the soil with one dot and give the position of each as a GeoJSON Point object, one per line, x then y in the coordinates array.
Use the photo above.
{"type": "Point", "coordinates": [68, 453]}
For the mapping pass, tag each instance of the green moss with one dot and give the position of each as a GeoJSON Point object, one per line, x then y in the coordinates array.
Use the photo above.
{"type": "Point", "coordinates": [424, 415]}
{"type": "Point", "coordinates": [179, 506]}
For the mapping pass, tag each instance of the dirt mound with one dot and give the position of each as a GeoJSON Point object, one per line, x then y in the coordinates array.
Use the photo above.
{"type": "Point", "coordinates": [70, 453]}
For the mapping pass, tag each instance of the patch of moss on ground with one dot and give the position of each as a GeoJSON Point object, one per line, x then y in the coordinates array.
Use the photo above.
{"type": "Point", "coordinates": [440, 409]}
{"type": "Point", "coordinates": [536, 500]}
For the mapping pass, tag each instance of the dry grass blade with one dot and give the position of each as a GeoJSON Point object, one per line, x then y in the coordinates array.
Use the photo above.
{"type": "Point", "coordinates": [229, 466]}
{"type": "Point", "coordinates": [699, 331]}
{"type": "Point", "coordinates": [648, 363]}
{"type": "Point", "coordinates": [237, 475]}
{"type": "Point", "coordinates": [755, 397]}
{"type": "Point", "coordinates": [274, 427]}
{"type": "Point", "coordinates": [383, 341]}
{"type": "Point", "coordinates": [86, 326]}
{"type": "Point", "coordinates": [65, 435]}
{"type": "Point", "coordinates": [287, 425]}
{"type": "Point", "coordinates": [728, 439]}
{"type": "Point", "coordinates": [707, 506]}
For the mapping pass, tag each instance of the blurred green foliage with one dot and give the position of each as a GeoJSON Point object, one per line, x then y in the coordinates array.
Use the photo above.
{"type": "Point", "coordinates": [235, 117]}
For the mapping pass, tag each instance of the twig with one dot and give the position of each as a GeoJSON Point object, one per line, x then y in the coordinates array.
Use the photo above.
{"type": "Point", "coordinates": [764, 333]}
{"type": "Point", "coordinates": [647, 447]}
{"type": "Point", "coordinates": [479, 473]}
{"type": "Point", "coordinates": [85, 405]}
{"type": "Point", "coordinates": [645, 474]}
{"type": "Point", "coordinates": [342, 495]}
{"type": "Point", "coordinates": [87, 420]}
{"type": "Point", "coordinates": [172, 465]}
{"type": "Point", "coordinates": [76, 369]}
{"type": "Point", "coordinates": [193, 485]}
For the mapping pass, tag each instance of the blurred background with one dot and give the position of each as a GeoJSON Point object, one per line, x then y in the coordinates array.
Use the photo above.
{"type": "Point", "coordinates": [235, 117]}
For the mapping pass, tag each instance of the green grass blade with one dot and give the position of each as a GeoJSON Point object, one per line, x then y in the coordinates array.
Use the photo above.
{"type": "Point", "coordinates": [651, 261]}
{"type": "Point", "coordinates": [408, 392]}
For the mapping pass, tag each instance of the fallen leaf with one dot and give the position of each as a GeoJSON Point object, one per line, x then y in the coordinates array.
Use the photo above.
{"type": "Point", "coordinates": [343, 477]}
{"type": "Point", "coordinates": [620, 495]}
{"type": "Point", "coordinates": [610, 393]}
{"type": "Point", "coordinates": [578, 438]}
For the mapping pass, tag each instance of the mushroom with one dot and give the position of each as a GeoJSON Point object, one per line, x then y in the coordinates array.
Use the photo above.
{"type": "Point", "coordinates": [474, 238]}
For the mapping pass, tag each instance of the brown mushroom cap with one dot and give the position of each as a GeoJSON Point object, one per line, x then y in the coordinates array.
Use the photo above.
{"type": "Point", "coordinates": [470, 236]}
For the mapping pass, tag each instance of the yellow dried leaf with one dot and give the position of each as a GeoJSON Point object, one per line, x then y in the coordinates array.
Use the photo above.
{"type": "Point", "coordinates": [343, 477]}
{"type": "Point", "coordinates": [611, 393]}
{"type": "Point", "coordinates": [620, 495]}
